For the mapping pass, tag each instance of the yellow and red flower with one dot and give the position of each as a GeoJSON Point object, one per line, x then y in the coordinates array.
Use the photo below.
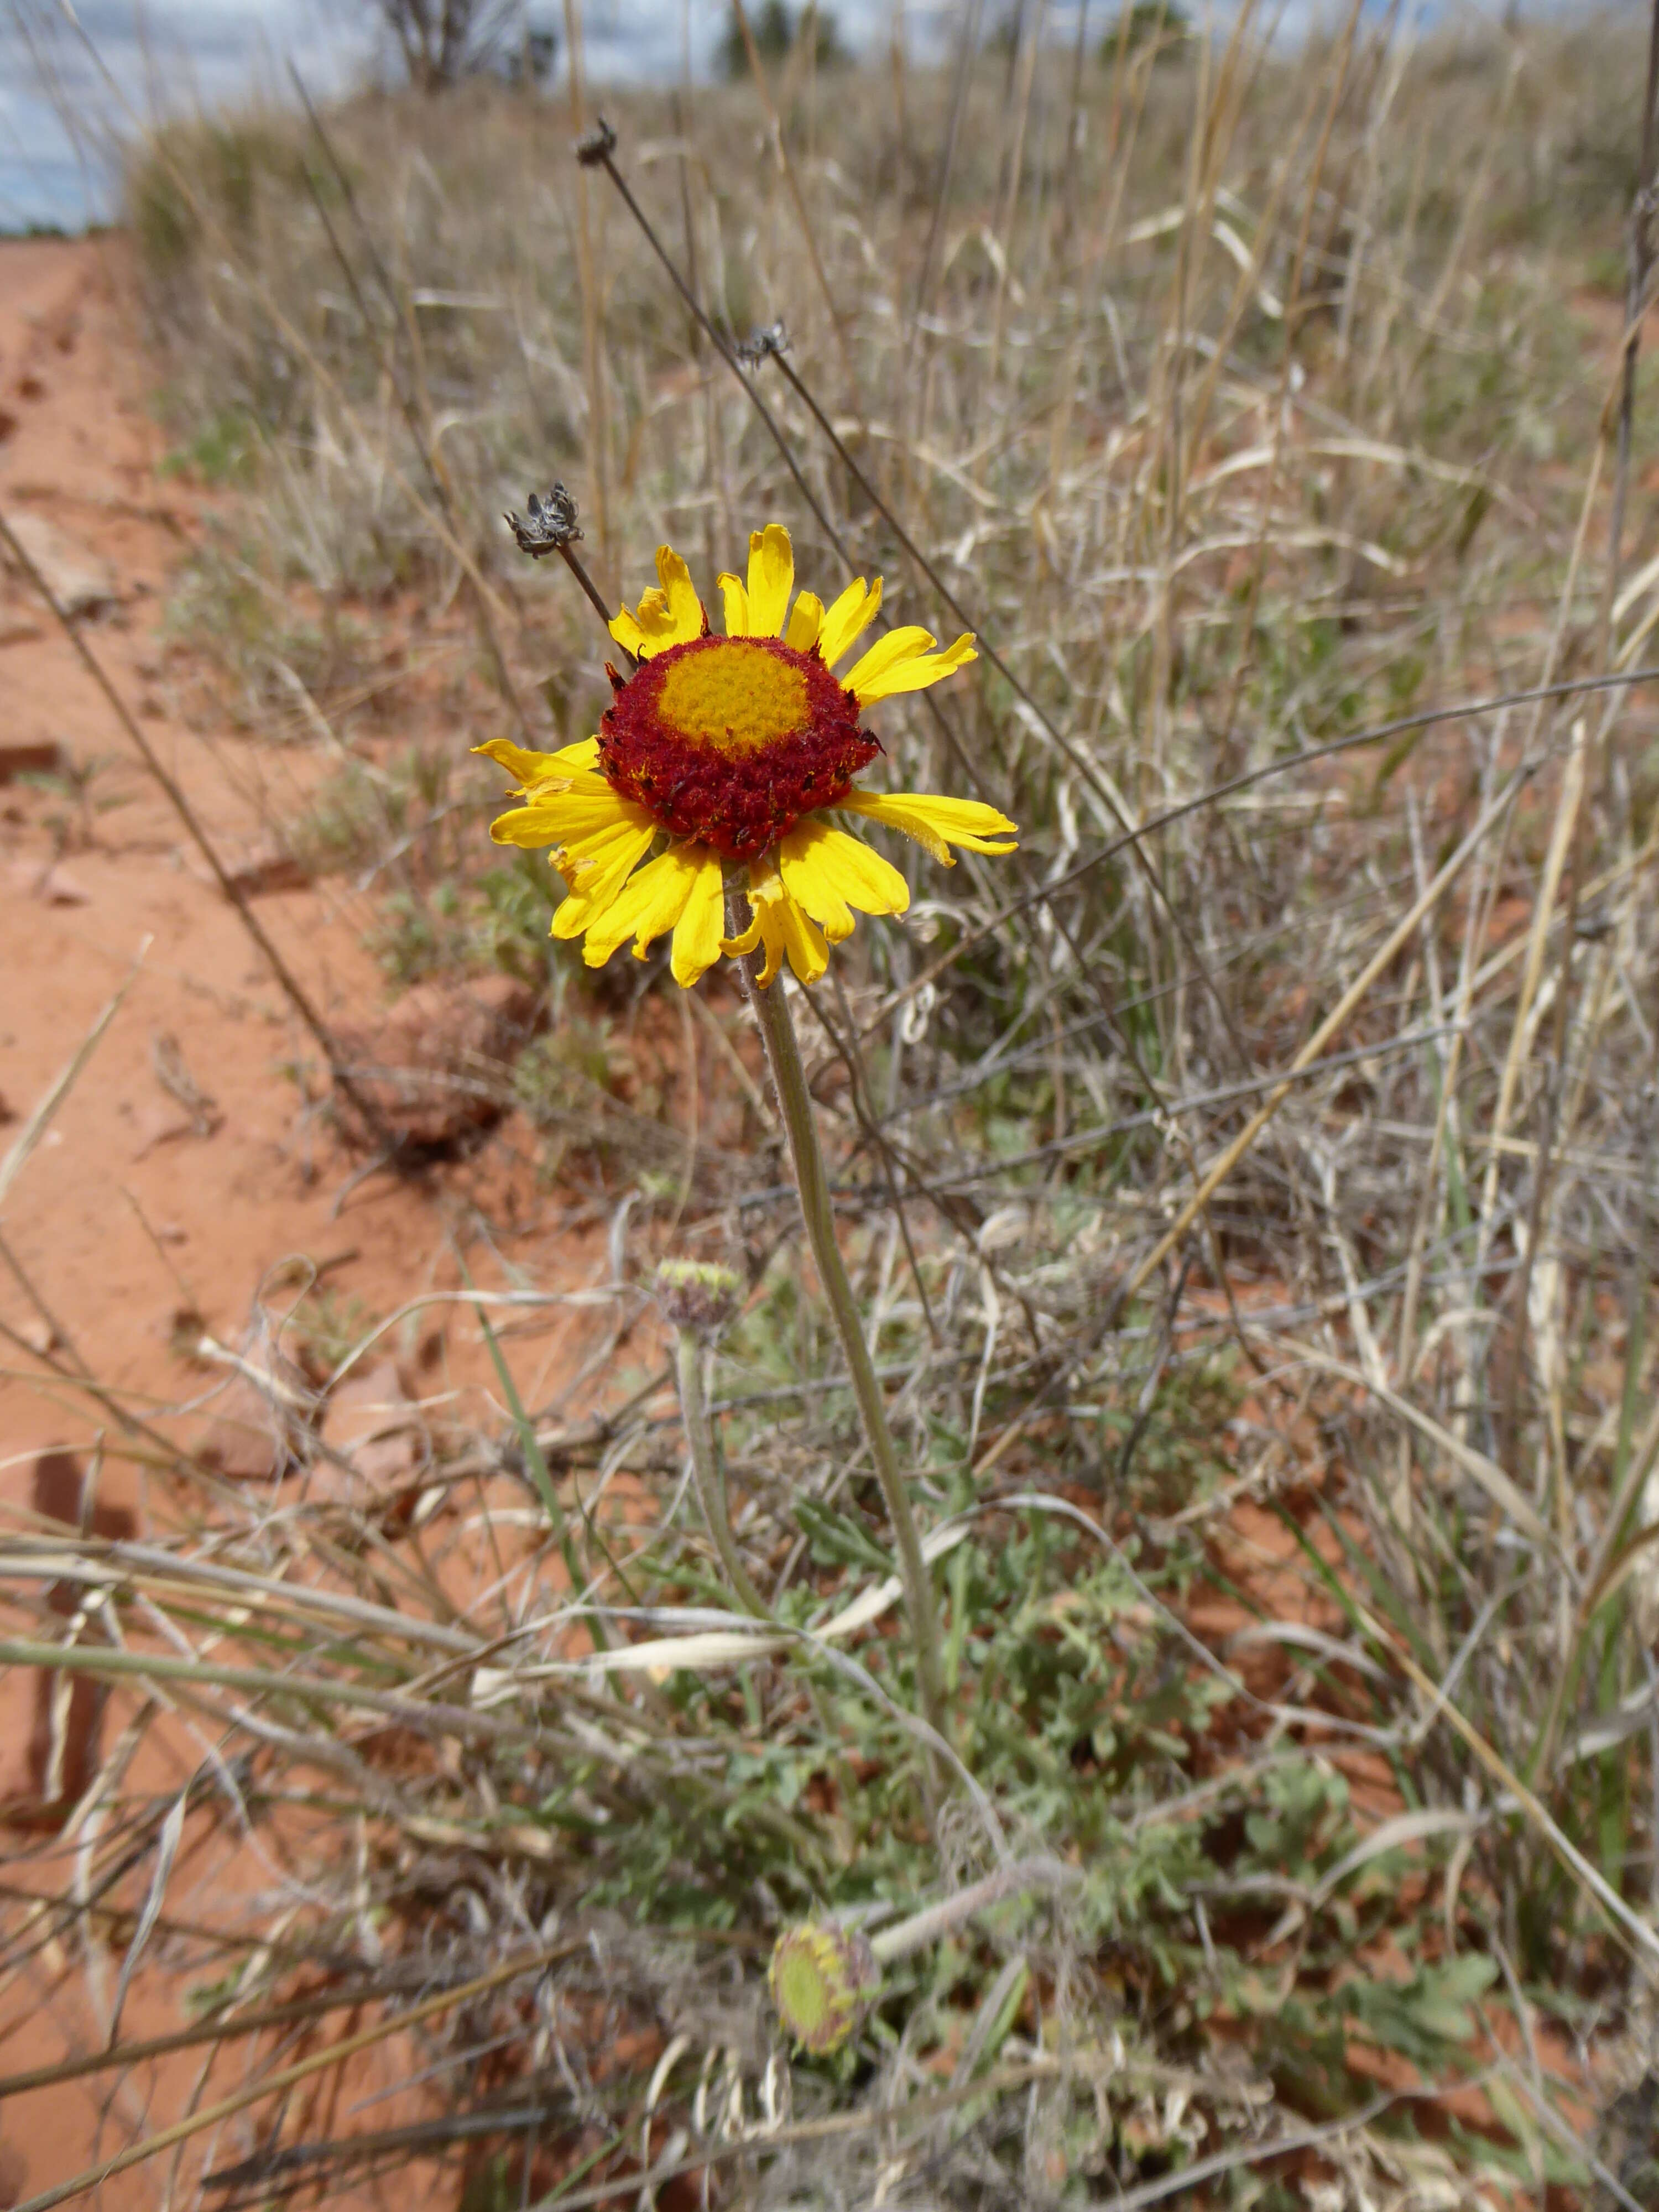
{"type": "Point", "coordinates": [734, 749]}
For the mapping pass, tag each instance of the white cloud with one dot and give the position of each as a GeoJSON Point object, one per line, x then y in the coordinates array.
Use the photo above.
{"type": "Point", "coordinates": [63, 96]}
{"type": "Point", "coordinates": [58, 104]}
{"type": "Point", "coordinates": [58, 107]}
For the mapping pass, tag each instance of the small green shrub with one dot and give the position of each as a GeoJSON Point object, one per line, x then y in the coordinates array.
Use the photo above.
{"type": "Point", "coordinates": [194, 178]}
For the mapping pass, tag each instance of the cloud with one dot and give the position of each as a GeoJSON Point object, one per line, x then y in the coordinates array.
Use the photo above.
{"type": "Point", "coordinates": [59, 108]}
{"type": "Point", "coordinates": [64, 98]}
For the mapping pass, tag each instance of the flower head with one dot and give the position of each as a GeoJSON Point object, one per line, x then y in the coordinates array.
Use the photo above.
{"type": "Point", "coordinates": [733, 749]}
{"type": "Point", "coordinates": [824, 1980]}
{"type": "Point", "coordinates": [700, 1295]}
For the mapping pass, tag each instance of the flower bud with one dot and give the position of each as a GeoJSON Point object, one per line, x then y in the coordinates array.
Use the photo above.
{"type": "Point", "coordinates": [824, 1981]}
{"type": "Point", "coordinates": [697, 1294]}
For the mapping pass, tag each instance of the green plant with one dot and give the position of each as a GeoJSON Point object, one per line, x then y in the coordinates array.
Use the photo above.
{"type": "Point", "coordinates": [324, 1326]}
{"type": "Point", "coordinates": [222, 451]}
{"type": "Point", "coordinates": [192, 183]}
{"type": "Point", "coordinates": [419, 935]}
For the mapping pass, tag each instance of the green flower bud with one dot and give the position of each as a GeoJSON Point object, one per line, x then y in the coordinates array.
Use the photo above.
{"type": "Point", "coordinates": [824, 1981]}
{"type": "Point", "coordinates": [697, 1294]}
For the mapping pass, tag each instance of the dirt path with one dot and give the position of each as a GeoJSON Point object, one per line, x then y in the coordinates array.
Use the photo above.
{"type": "Point", "coordinates": [174, 1175]}
{"type": "Point", "coordinates": [183, 1166]}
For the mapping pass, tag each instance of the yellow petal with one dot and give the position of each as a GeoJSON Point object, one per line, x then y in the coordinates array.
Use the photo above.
{"type": "Point", "coordinates": [685, 614]}
{"type": "Point", "coordinates": [846, 618]}
{"type": "Point", "coordinates": [771, 580]}
{"type": "Point", "coordinates": [746, 940]}
{"type": "Point", "coordinates": [799, 936]}
{"type": "Point", "coordinates": [531, 768]}
{"type": "Point", "coordinates": [524, 825]}
{"type": "Point", "coordinates": [803, 631]}
{"type": "Point", "coordinates": [599, 834]}
{"type": "Point", "coordinates": [780, 922]}
{"type": "Point", "coordinates": [586, 817]}
{"type": "Point", "coordinates": [596, 869]}
{"type": "Point", "coordinates": [656, 623]}
{"type": "Point", "coordinates": [901, 644]}
{"type": "Point", "coordinates": [736, 601]}
{"type": "Point", "coordinates": [651, 901]}
{"type": "Point", "coordinates": [628, 634]}
{"type": "Point", "coordinates": [670, 613]}
{"type": "Point", "coordinates": [915, 673]}
{"type": "Point", "coordinates": [563, 809]}
{"type": "Point", "coordinates": [596, 861]}
{"type": "Point", "coordinates": [658, 628]}
{"type": "Point", "coordinates": [936, 822]}
{"type": "Point", "coordinates": [523, 765]}
{"type": "Point", "coordinates": [830, 873]}
{"type": "Point", "coordinates": [765, 887]}
{"type": "Point", "coordinates": [698, 932]}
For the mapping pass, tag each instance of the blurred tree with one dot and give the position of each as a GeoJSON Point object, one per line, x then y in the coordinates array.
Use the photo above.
{"type": "Point", "coordinates": [442, 41]}
{"type": "Point", "coordinates": [775, 31]}
{"type": "Point", "coordinates": [1164, 20]}
{"type": "Point", "coordinates": [530, 59]}
{"type": "Point", "coordinates": [1005, 33]}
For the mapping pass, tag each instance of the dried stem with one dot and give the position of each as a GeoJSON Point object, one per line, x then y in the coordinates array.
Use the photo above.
{"type": "Point", "coordinates": [689, 1352]}
{"type": "Point", "coordinates": [935, 1920]}
{"type": "Point", "coordinates": [293, 989]}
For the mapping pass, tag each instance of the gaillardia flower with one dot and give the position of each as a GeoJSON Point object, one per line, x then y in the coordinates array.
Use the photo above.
{"type": "Point", "coordinates": [727, 753]}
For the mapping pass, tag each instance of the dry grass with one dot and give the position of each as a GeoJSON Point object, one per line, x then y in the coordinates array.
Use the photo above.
{"type": "Point", "coordinates": [1273, 1302]}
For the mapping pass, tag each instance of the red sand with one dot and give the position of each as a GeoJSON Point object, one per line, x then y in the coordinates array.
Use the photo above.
{"type": "Point", "coordinates": [133, 1209]}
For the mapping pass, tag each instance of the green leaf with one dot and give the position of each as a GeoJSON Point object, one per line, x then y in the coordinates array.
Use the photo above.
{"type": "Point", "coordinates": [837, 1539]}
{"type": "Point", "coordinates": [1420, 2018]}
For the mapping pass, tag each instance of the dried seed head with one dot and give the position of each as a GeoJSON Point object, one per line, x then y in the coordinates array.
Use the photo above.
{"type": "Point", "coordinates": [770, 341]}
{"type": "Point", "coordinates": [697, 1294]}
{"type": "Point", "coordinates": [597, 147]}
{"type": "Point", "coordinates": [824, 1981]}
{"type": "Point", "coordinates": [552, 524]}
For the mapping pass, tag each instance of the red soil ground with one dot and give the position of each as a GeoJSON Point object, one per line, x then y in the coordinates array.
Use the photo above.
{"type": "Point", "coordinates": [137, 1220]}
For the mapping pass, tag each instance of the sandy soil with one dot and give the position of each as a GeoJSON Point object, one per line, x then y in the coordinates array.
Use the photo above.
{"type": "Point", "coordinates": [183, 1165]}
{"type": "Point", "coordinates": [133, 1203]}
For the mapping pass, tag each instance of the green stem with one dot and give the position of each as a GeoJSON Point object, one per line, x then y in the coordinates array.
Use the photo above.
{"type": "Point", "coordinates": [777, 1031]}
{"type": "Point", "coordinates": [711, 1491]}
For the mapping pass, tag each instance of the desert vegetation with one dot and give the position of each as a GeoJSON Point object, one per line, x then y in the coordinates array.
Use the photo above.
{"type": "Point", "coordinates": [1247, 1187]}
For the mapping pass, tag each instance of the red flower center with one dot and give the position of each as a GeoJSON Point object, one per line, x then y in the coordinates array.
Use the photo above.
{"type": "Point", "coordinates": [732, 739]}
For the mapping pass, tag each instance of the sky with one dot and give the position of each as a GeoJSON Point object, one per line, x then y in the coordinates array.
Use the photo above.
{"type": "Point", "coordinates": [60, 92]}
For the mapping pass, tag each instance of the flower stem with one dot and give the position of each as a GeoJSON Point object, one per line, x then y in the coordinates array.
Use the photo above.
{"type": "Point", "coordinates": [935, 1920]}
{"type": "Point", "coordinates": [711, 1491]}
{"type": "Point", "coordinates": [777, 1031]}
